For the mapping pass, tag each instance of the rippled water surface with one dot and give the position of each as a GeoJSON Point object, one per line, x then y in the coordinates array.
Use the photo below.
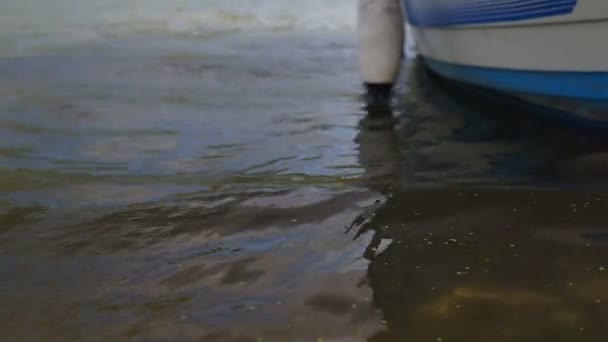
{"type": "Point", "coordinates": [196, 171]}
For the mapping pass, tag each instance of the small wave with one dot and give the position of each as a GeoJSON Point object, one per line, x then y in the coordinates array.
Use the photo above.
{"type": "Point", "coordinates": [177, 16]}
{"type": "Point", "coordinates": [296, 14]}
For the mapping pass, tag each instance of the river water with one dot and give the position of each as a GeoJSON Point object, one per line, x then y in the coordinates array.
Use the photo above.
{"type": "Point", "coordinates": [189, 171]}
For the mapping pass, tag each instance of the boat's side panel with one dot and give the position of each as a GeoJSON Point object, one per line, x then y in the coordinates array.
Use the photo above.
{"type": "Point", "coordinates": [458, 13]}
{"type": "Point", "coordinates": [487, 33]}
{"type": "Point", "coordinates": [443, 13]}
{"type": "Point", "coordinates": [580, 47]}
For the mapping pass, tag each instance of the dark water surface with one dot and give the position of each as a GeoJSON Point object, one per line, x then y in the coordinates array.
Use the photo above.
{"type": "Point", "coordinates": [201, 191]}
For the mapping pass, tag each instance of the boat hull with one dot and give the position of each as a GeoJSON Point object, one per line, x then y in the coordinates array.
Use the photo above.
{"type": "Point", "coordinates": [550, 52]}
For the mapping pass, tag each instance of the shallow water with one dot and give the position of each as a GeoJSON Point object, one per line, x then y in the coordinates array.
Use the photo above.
{"type": "Point", "coordinates": [198, 182]}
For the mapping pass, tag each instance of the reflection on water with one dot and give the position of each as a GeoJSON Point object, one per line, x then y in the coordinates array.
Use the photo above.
{"type": "Point", "coordinates": [185, 191]}
{"type": "Point", "coordinates": [519, 259]}
{"type": "Point", "coordinates": [479, 264]}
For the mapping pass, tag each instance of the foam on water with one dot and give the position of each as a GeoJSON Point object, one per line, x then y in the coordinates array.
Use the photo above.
{"type": "Point", "coordinates": [34, 26]}
{"type": "Point", "coordinates": [177, 16]}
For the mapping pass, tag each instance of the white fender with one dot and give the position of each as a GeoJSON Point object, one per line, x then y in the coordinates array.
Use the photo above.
{"type": "Point", "coordinates": [380, 33]}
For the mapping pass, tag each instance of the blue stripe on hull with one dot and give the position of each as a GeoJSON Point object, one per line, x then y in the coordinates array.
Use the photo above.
{"type": "Point", "coordinates": [570, 95]}
{"type": "Point", "coordinates": [441, 13]}
{"type": "Point", "coordinates": [586, 86]}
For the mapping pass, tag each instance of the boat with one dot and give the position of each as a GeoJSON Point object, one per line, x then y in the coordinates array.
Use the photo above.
{"type": "Point", "coordinates": [548, 53]}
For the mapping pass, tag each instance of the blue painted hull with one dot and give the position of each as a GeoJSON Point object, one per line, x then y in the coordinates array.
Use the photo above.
{"type": "Point", "coordinates": [581, 86]}
{"type": "Point", "coordinates": [445, 13]}
{"type": "Point", "coordinates": [568, 96]}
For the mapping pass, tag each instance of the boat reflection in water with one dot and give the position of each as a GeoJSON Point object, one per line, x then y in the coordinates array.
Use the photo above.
{"type": "Point", "coordinates": [499, 259]}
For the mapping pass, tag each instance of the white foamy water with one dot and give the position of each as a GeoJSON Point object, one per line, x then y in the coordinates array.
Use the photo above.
{"type": "Point", "coordinates": [27, 25]}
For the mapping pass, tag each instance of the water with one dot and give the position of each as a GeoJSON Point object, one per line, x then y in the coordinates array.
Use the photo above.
{"type": "Point", "coordinates": [188, 170]}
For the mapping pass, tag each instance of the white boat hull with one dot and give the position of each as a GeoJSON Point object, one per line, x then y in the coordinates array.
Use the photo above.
{"type": "Point", "coordinates": [581, 47]}
{"type": "Point", "coordinates": [545, 51]}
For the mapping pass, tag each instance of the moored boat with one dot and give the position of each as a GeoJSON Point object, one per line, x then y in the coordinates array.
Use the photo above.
{"type": "Point", "coordinates": [548, 52]}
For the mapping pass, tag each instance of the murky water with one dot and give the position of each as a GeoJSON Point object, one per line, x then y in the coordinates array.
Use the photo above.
{"type": "Point", "coordinates": [190, 171]}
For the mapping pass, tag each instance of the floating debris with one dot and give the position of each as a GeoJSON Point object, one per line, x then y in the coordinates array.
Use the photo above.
{"type": "Point", "coordinates": [384, 244]}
